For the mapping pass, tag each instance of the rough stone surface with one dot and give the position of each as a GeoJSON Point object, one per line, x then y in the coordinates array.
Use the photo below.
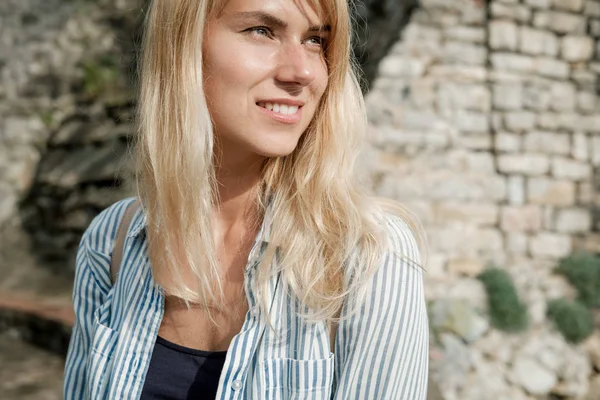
{"type": "Point", "coordinates": [532, 376]}
{"type": "Point", "coordinates": [28, 372]}
{"type": "Point", "coordinates": [577, 48]}
{"type": "Point", "coordinates": [551, 245]}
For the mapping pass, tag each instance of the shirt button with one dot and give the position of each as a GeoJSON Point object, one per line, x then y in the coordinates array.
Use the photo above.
{"type": "Point", "coordinates": [236, 385]}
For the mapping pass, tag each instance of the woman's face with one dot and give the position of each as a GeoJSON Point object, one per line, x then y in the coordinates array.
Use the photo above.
{"type": "Point", "coordinates": [264, 74]}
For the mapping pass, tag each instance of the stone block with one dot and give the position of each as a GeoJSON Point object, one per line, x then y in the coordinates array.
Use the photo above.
{"type": "Point", "coordinates": [562, 96]}
{"type": "Point", "coordinates": [460, 240]}
{"type": "Point", "coordinates": [592, 9]}
{"type": "Point", "coordinates": [398, 66]}
{"type": "Point", "coordinates": [589, 123]}
{"type": "Point", "coordinates": [525, 164]}
{"type": "Point", "coordinates": [541, 19]}
{"type": "Point", "coordinates": [516, 242]}
{"type": "Point", "coordinates": [513, 62]}
{"type": "Point", "coordinates": [569, 121]}
{"type": "Point", "coordinates": [547, 142]}
{"type": "Point", "coordinates": [548, 121]}
{"type": "Point", "coordinates": [465, 34]}
{"type": "Point", "coordinates": [480, 214]}
{"type": "Point", "coordinates": [569, 5]}
{"type": "Point", "coordinates": [551, 67]}
{"type": "Point", "coordinates": [595, 150]}
{"type": "Point", "coordinates": [537, 42]}
{"type": "Point", "coordinates": [515, 187]}
{"type": "Point", "coordinates": [464, 53]}
{"type": "Point", "coordinates": [474, 141]}
{"type": "Point", "coordinates": [481, 162]}
{"type": "Point", "coordinates": [472, 16]}
{"type": "Point", "coordinates": [550, 245]}
{"type": "Point", "coordinates": [591, 243]}
{"type": "Point", "coordinates": [586, 101]}
{"type": "Point", "coordinates": [503, 35]}
{"type": "Point", "coordinates": [507, 142]}
{"type": "Point", "coordinates": [421, 33]}
{"type": "Point", "coordinates": [458, 73]}
{"type": "Point", "coordinates": [468, 121]}
{"type": "Point", "coordinates": [521, 218]}
{"type": "Point", "coordinates": [536, 97]}
{"type": "Point", "coordinates": [453, 96]}
{"type": "Point", "coordinates": [508, 96]}
{"type": "Point", "coordinates": [562, 22]}
{"type": "Point", "coordinates": [466, 266]}
{"type": "Point", "coordinates": [548, 217]}
{"type": "Point", "coordinates": [577, 48]}
{"type": "Point", "coordinates": [519, 121]}
{"type": "Point", "coordinates": [595, 27]}
{"type": "Point", "coordinates": [517, 12]}
{"type": "Point", "coordinates": [580, 148]}
{"type": "Point", "coordinates": [585, 193]}
{"type": "Point", "coordinates": [546, 191]}
{"type": "Point", "coordinates": [566, 168]}
{"type": "Point", "coordinates": [540, 4]}
{"type": "Point", "coordinates": [573, 220]}
{"type": "Point", "coordinates": [584, 78]}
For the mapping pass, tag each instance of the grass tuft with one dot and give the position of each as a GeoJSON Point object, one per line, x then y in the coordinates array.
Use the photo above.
{"type": "Point", "coordinates": [572, 318]}
{"type": "Point", "coordinates": [507, 312]}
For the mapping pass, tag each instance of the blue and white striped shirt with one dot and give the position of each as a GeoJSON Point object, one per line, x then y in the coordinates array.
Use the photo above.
{"type": "Point", "coordinates": [381, 352]}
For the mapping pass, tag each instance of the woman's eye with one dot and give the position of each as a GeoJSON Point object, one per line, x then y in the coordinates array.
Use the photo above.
{"type": "Point", "coordinates": [318, 40]}
{"type": "Point", "coordinates": [260, 30]}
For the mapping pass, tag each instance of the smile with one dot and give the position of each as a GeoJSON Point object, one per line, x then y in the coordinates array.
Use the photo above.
{"type": "Point", "coordinates": [281, 112]}
{"type": "Point", "coordinates": [283, 109]}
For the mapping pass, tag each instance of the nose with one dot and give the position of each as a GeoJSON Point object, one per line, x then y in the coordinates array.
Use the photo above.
{"type": "Point", "coordinates": [295, 65]}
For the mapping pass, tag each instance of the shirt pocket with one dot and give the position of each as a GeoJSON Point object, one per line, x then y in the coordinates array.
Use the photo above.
{"type": "Point", "coordinates": [99, 362]}
{"type": "Point", "coordinates": [289, 379]}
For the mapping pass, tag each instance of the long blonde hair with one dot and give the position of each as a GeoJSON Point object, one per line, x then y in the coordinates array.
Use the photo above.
{"type": "Point", "coordinates": [324, 226]}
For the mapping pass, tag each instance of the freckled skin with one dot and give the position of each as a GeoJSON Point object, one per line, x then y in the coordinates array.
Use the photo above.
{"type": "Point", "coordinates": [242, 66]}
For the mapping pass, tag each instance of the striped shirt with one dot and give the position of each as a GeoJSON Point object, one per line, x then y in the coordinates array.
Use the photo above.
{"type": "Point", "coordinates": [381, 351]}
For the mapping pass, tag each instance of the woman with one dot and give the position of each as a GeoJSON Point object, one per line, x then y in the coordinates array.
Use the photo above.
{"type": "Point", "coordinates": [253, 232]}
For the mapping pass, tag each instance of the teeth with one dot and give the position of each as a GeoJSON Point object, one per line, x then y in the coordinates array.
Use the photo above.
{"type": "Point", "coordinates": [280, 108]}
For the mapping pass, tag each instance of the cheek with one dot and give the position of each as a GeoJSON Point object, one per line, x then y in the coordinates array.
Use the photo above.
{"type": "Point", "coordinates": [322, 79]}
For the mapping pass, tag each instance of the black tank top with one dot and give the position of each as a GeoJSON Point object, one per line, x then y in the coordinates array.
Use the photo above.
{"type": "Point", "coordinates": [181, 373]}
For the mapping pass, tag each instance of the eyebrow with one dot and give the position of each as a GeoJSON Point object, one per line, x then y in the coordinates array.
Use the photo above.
{"type": "Point", "coordinates": [269, 19]}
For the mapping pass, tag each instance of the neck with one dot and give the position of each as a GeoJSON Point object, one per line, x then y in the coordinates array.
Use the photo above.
{"type": "Point", "coordinates": [238, 180]}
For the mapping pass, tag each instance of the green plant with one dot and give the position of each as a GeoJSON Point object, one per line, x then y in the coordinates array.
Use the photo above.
{"type": "Point", "coordinates": [572, 318]}
{"type": "Point", "coordinates": [507, 312]}
{"type": "Point", "coordinates": [99, 75]}
{"type": "Point", "coordinates": [47, 118]}
{"type": "Point", "coordinates": [582, 270]}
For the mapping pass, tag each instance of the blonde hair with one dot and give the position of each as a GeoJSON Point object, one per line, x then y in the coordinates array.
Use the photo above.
{"type": "Point", "coordinates": [324, 227]}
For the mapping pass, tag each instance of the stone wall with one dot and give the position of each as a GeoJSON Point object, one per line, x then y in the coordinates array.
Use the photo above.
{"type": "Point", "coordinates": [65, 92]}
{"type": "Point", "coordinates": [486, 123]}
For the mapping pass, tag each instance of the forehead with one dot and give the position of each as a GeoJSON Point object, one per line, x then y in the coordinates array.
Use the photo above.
{"type": "Point", "coordinates": [311, 11]}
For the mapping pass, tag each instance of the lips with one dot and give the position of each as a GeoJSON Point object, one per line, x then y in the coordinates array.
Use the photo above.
{"type": "Point", "coordinates": [282, 118]}
{"type": "Point", "coordinates": [280, 108]}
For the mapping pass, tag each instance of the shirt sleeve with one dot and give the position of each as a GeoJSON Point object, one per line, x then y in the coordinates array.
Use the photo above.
{"type": "Point", "coordinates": [90, 287]}
{"type": "Point", "coordinates": [382, 351]}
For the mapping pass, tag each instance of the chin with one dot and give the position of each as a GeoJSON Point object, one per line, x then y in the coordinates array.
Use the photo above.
{"type": "Point", "coordinates": [276, 148]}
{"type": "Point", "coordinates": [272, 152]}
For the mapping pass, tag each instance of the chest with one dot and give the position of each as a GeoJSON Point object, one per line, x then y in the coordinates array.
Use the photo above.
{"type": "Point", "coordinates": [267, 362]}
{"type": "Point", "coordinates": [202, 329]}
